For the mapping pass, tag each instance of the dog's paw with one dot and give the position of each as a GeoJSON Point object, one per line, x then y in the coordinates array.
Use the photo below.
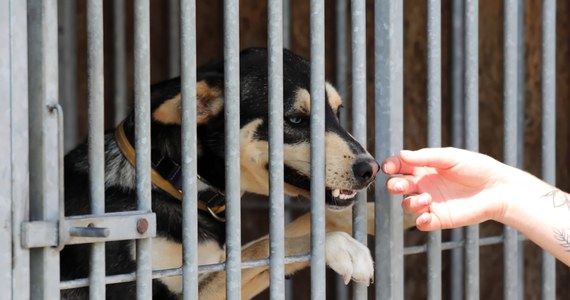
{"type": "Point", "coordinates": [348, 257]}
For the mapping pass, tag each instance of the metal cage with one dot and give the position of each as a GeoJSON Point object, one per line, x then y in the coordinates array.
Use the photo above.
{"type": "Point", "coordinates": [38, 71]}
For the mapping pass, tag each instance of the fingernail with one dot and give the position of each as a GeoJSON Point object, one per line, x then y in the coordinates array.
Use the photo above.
{"type": "Point", "coordinates": [405, 152]}
{"type": "Point", "coordinates": [399, 186]}
{"type": "Point", "coordinates": [385, 168]}
{"type": "Point", "coordinates": [424, 219]}
{"type": "Point", "coordinates": [423, 201]}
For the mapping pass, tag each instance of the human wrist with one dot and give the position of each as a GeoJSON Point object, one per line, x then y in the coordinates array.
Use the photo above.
{"type": "Point", "coordinates": [519, 191]}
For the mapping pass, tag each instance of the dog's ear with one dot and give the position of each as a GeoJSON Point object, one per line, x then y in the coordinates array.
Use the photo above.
{"type": "Point", "coordinates": [209, 103]}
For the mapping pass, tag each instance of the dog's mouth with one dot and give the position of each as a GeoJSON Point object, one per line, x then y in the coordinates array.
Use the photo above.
{"type": "Point", "coordinates": [335, 198]}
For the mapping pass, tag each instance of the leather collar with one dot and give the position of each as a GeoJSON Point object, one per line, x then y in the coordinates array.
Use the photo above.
{"type": "Point", "coordinates": [171, 170]}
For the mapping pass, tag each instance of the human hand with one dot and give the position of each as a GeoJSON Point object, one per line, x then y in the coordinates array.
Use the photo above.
{"type": "Point", "coordinates": [449, 187]}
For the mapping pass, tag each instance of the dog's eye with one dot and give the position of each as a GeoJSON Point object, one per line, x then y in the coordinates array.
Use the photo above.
{"type": "Point", "coordinates": [295, 120]}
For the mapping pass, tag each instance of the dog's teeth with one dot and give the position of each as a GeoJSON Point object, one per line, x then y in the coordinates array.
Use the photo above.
{"type": "Point", "coordinates": [336, 193]}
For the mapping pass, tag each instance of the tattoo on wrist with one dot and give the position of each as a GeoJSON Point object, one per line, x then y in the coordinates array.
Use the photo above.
{"type": "Point", "coordinates": [559, 199]}
{"type": "Point", "coordinates": [562, 235]}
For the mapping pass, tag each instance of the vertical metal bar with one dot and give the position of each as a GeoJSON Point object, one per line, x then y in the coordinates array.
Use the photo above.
{"type": "Point", "coordinates": [388, 68]}
{"type": "Point", "coordinates": [19, 142]}
{"type": "Point", "coordinates": [68, 65]}
{"type": "Point", "coordinates": [174, 38]}
{"type": "Point", "coordinates": [520, 86]}
{"type": "Point", "coordinates": [120, 58]}
{"type": "Point", "coordinates": [287, 24]}
{"type": "Point", "coordinates": [520, 127]}
{"type": "Point", "coordinates": [231, 110]}
{"type": "Point", "coordinates": [510, 143]}
{"type": "Point", "coordinates": [95, 75]}
{"type": "Point", "coordinates": [43, 133]}
{"type": "Point", "coordinates": [276, 188]}
{"type": "Point", "coordinates": [434, 132]}
{"type": "Point", "coordinates": [288, 217]}
{"type": "Point", "coordinates": [548, 89]}
{"type": "Point", "coordinates": [472, 135]}
{"type": "Point", "coordinates": [287, 45]}
{"type": "Point", "coordinates": [318, 236]}
{"type": "Point", "coordinates": [341, 62]}
{"type": "Point", "coordinates": [143, 142]}
{"type": "Point", "coordinates": [359, 211]}
{"type": "Point", "coordinates": [457, 130]}
{"type": "Point", "coordinates": [457, 73]}
{"type": "Point", "coordinates": [189, 148]}
{"type": "Point", "coordinates": [5, 152]}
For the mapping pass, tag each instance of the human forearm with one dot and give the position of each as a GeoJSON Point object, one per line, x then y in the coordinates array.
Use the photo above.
{"type": "Point", "coordinates": [541, 212]}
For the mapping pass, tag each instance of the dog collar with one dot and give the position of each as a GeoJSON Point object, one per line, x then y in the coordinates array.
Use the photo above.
{"type": "Point", "coordinates": [158, 180]}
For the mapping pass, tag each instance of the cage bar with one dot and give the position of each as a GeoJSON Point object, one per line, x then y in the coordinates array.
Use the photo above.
{"type": "Point", "coordinates": [142, 139]}
{"type": "Point", "coordinates": [318, 235]}
{"type": "Point", "coordinates": [286, 24]}
{"type": "Point", "coordinates": [43, 140]}
{"type": "Point", "coordinates": [510, 144]}
{"type": "Point", "coordinates": [6, 151]}
{"type": "Point", "coordinates": [174, 38]}
{"type": "Point", "coordinates": [359, 210]}
{"type": "Point", "coordinates": [341, 58]}
{"type": "Point", "coordinates": [388, 111]}
{"type": "Point", "coordinates": [548, 89]}
{"type": "Point", "coordinates": [120, 59]}
{"type": "Point", "coordinates": [457, 132]}
{"type": "Point", "coordinates": [288, 217]}
{"type": "Point", "coordinates": [472, 136]}
{"type": "Point", "coordinates": [434, 132]}
{"type": "Point", "coordinates": [232, 125]}
{"type": "Point", "coordinates": [68, 68]}
{"type": "Point", "coordinates": [189, 147]}
{"type": "Point", "coordinates": [17, 78]}
{"type": "Point", "coordinates": [341, 83]}
{"type": "Point", "coordinates": [521, 126]}
{"type": "Point", "coordinates": [276, 168]}
{"type": "Point", "coordinates": [96, 139]}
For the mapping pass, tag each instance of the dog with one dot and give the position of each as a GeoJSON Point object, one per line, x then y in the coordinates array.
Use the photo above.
{"type": "Point", "coordinates": [349, 168]}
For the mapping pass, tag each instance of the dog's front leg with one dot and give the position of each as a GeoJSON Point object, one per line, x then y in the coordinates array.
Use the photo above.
{"type": "Point", "coordinates": [255, 280]}
{"type": "Point", "coordinates": [341, 220]}
{"type": "Point", "coordinates": [345, 255]}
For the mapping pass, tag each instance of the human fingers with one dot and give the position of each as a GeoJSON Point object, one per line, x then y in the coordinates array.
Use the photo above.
{"type": "Point", "coordinates": [401, 185]}
{"type": "Point", "coordinates": [440, 158]}
{"type": "Point", "coordinates": [417, 204]}
{"type": "Point", "coordinates": [428, 221]}
{"type": "Point", "coordinates": [394, 165]}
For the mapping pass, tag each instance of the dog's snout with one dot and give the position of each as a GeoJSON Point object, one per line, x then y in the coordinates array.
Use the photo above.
{"type": "Point", "coordinates": [365, 169]}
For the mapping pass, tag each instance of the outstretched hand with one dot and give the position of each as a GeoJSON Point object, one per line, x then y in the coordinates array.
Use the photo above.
{"type": "Point", "coordinates": [448, 187]}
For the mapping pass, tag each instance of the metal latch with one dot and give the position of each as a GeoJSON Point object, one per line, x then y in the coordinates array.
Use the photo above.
{"type": "Point", "coordinates": [128, 225]}
{"type": "Point", "coordinates": [89, 229]}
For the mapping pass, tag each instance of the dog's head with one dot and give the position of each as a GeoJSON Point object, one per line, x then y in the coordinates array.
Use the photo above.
{"type": "Point", "coordinates": [349, 167]}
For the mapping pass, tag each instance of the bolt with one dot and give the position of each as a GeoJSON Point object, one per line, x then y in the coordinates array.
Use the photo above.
{"type": "Point", "coordinates": [142, 225]}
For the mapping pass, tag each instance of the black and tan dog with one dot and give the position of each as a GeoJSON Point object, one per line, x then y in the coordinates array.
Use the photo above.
{"type": "Point", "coordinates": [349, 168]}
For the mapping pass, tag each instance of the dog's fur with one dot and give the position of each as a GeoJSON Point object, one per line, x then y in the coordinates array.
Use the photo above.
{"type": "Point", "coordinates": [349, 168]}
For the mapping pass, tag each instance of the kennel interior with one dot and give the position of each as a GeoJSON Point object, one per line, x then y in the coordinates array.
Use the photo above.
{"type": "Point", "coordinates": [489, 76]}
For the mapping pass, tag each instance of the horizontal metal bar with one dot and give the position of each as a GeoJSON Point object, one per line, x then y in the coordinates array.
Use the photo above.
{"type": "Point", "coordinates": [129, 277]}
{"type": "Point", "coordinates": [120, 226]}
{"type": "Point", "coordinates": [488, 241]}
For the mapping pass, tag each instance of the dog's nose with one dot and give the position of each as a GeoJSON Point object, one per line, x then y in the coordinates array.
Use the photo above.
{"type": "Point", "coordinates": [365, 169]}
